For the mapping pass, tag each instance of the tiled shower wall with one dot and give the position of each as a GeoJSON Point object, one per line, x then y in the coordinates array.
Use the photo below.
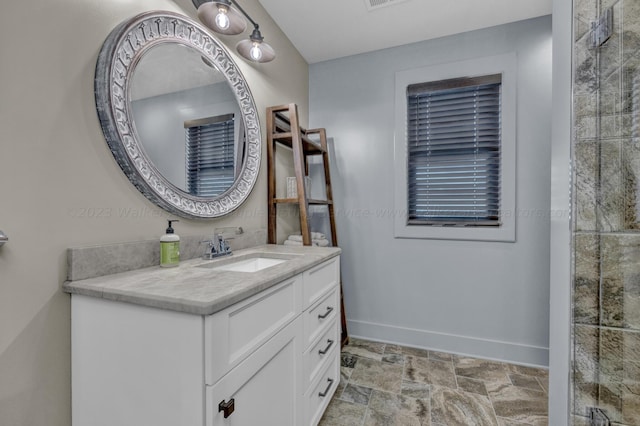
{"type": "Point", "coordinates": [606, 239]}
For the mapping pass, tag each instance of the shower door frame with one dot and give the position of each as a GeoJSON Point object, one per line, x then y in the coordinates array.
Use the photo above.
{"type": "Point", "coordinates": [560, 244]}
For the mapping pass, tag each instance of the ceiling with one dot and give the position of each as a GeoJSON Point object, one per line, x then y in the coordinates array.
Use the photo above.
{"type": "Point", "coordinates": [327, 29]}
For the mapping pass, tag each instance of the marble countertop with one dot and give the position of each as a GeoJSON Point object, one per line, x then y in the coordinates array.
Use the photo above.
{"type": "Point", "coordinates": [201, 290]}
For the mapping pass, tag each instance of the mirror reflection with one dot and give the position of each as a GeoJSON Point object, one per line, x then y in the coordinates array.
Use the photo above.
{"type": "Point", "coordinates": [187, 119]}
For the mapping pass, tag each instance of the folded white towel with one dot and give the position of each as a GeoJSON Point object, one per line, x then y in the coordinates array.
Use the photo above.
{"type": "Point", "coordinates": [317, 239]}
{"type": "Point", "coordinates": [321, 243]}
{"type": "Point", "coordinates": [314, 236]}
{"type": "Point", "coordinates": [317, 243]}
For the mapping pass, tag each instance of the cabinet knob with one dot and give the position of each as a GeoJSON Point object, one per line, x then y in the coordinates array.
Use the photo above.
{"type": "Point", "coordinates": [326, 314]}
{"type": "Point", "coordinates": [227, 407]}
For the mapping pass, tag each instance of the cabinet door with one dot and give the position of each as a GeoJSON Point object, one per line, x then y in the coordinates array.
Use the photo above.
{"type": "Point", "coordinates": [135, 365]}
{"type": "Point", "coordinates": [266, 388]}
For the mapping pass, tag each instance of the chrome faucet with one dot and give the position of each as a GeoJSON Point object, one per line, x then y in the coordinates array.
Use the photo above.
{"type": "Point", "coordinates": [218, 245]}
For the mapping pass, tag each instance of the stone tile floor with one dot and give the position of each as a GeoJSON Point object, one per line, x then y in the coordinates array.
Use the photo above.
{"type": "Point", "coordinates": [390, 385]}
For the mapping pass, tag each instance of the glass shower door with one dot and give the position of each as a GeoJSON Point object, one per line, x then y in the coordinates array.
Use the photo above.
{"type": "Point", "coordinates": [606, 213]}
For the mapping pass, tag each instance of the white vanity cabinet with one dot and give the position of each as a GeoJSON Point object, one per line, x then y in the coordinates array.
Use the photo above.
{"type": "Point", "coordinates": [271, 359]}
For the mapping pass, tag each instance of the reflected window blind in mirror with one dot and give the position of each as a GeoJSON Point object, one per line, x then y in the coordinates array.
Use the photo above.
{"type": "Point", "coordinates": [210, 155]}
{"type": "Point", "coordinates": [454, 140]}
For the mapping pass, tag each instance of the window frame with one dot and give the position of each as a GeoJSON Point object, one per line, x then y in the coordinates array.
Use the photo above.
{"type": "Point", "coordinates": [506, 65]}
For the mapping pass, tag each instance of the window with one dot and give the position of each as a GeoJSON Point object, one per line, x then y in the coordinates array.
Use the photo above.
{"type": "Point", "coordinates": [453, 134]}
{"type": "Point", "coordinates": [210, 154]}
{"type": "Point", "coordinates": [455, 150]}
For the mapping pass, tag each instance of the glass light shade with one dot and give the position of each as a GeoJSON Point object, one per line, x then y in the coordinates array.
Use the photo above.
{"type": "Point", "coordinates": [216, 14]}
{"type": "Point", "coordinates": [255, 50]}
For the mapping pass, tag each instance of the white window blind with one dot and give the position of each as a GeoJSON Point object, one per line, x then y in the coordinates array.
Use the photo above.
{"type": "Point", "coordinates": [454, 152]}
{"type": "Point", "coordinates": [210, 155]}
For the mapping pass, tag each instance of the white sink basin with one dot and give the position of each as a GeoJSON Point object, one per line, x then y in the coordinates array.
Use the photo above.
{"type": "Point", "coordinates": [250, 265]}
{"type": "Point", "coordinates": [251, 262]}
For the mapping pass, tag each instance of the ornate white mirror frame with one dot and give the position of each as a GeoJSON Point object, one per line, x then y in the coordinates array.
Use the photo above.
{"type": "Point", "coordinates": [120, 53]}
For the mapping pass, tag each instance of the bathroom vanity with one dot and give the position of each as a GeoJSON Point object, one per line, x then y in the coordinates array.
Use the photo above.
{"type": "Point", "coordinates": [209, 343]}
{"type": "Point", "coordinates": [244, 340]}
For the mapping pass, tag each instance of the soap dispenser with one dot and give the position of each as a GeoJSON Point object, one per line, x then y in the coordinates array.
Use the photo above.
{"type": "Point", "coordinates": [169, 248]}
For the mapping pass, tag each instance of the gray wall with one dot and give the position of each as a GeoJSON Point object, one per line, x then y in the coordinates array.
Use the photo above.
{"type": "Point", "coordinates": [481, 298]}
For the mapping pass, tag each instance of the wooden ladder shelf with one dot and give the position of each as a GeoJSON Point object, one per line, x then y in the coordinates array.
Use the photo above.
{"type": "Point", "coordinates": [284, 128]}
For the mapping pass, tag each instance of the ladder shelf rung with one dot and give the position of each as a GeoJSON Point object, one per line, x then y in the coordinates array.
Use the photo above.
{"type": "Point", "coordinates": [296, 201]}
{"type": "Point", "coordinates": [310, 147]}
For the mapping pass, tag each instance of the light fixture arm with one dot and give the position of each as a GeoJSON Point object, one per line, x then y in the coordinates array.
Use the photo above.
{"type": "Point", "coordinates": [256, 35]}
{"type": "Point", "coordinates": [246, 15]}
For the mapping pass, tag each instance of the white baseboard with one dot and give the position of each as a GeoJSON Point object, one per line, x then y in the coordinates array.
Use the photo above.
{"type": "Point", "coordinates": [463, 345]}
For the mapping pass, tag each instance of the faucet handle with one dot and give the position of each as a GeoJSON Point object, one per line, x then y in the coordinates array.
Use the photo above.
{"type": "Point", "coordinates": [223, 245]}
{"type": "Point", "coordinates": [211, 244]}
{"type": "Point", "coordinates": [211, 251]}
{"type": "Point", "coordinates": [216, 246]}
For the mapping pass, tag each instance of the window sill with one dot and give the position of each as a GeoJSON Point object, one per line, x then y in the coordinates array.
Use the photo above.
{"type": "Point", "coordinates": [503, 233]}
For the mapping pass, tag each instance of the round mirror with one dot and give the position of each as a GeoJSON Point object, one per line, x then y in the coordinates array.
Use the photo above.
{"type": "Point", "coordinates": [178, 115]}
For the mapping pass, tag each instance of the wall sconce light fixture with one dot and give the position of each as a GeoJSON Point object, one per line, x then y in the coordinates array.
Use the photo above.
{"type": "Point", "coordinates": [222, 16]}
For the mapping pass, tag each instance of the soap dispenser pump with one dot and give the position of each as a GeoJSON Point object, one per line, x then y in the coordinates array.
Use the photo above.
{"type": "Point", "coordinates": [169, 247]}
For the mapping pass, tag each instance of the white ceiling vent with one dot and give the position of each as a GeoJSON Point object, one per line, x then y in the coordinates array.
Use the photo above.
{"type": "Point", "coordinates": [377, 4]}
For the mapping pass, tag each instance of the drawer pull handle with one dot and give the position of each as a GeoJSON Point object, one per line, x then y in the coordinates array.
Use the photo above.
{"type": "Point", "coordinates": [227, 407]}
{"type": "Point", "coordinates": [326, 391]}
{"type": "Point", "coordinates": [325, 350]}
{"type": "Point", "coordinates": [326, 314]}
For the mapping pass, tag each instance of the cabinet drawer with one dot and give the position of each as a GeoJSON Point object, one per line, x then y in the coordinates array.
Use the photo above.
{"type": "Point", "coordinates": [318, 396]}
{"type": "Point", "coordinates": [320, 354]}
{"type": "Point", "coordinates": [318, 318]}
{"type": "Point", "coordinates": [318, 280]}
{"type": "Point", "coordinates": [234, 333]}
